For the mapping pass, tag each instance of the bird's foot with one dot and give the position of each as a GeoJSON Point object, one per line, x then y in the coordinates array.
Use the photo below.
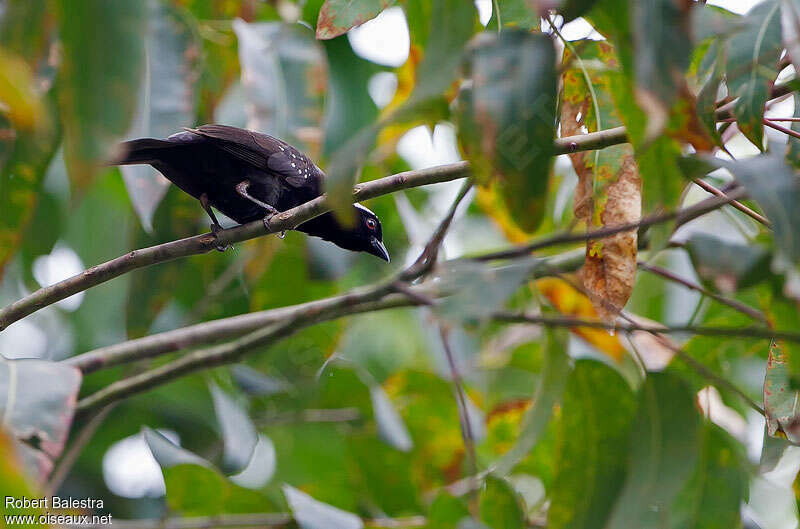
{"type": "Point", "coordinates": [269, 216]}
{"type": "Point", "coordinates": [215, 229]}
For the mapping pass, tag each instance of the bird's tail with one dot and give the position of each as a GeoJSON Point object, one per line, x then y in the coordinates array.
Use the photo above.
{"type": "Point", "coordinates": [144, 150]}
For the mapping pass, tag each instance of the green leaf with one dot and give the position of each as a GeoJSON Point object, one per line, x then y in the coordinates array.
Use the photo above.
{"type": "Point", "coordinates": [726, 265]}
{"type": "Point", "coordinates": [597, 416]}
{"type": "Point", "coordinates": [774, 186]}
{"type": "Point", "coordinates": [662, 46]}
{"type": "Point", "coordinates": [339, 16]}
{"type": "Point", "coordinates": [790, 29]}
{"type": "Point", "coordinates": [713, 496]}
{"type": "Point", "coordinates": [102, 66]}
{"type": "Point", "coordinates": [254, 382]}
{"type": "Point", "coordinates": [312, 514]}
{"type": "Point", "coordinates": [514, 13]}
{"type": "Point", "coordinates": [37, 401]}
{"type": "Point", "coordinates": [22, 171]}
{"type": "Point", "coordinates": [390, 425]}
{"type": "Point", "coordinates": [780, 400]}
{"type": "Point", "coordinates": [707, 97]}
{"type": "Point", "coordinates": [285, 78]}
{"type": "Point", "coordinates": [500, 505]}
{"type": "Point", "coordinates": [166, 99]}
{"type": "Point", "coordinates": [452, 23]}
{"type": "Point", "coordinates": [752, 56]}
{"type": "Point", "coordinates": [663, 450]}
{"type": "Point", "coordinates": [548, 393]}
{"type": "Point", "coordinates": [572, 9]}
{"type": "Point", "coordinates": [507, 118]}
{"type": "Point", "coordinates": [22, 29]}
{"type": "Point", "coordinates": [446, 511]}
{"type": "Point", "coordinates": [194, 486]}
{"type": "Point", "coordinates": [238, 433]}
{"type": "Point", "coordinates": [14, 482]}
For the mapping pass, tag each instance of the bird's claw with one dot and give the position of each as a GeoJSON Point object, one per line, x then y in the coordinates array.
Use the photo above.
{"type": "Point", "coordinates": [269, 216]}
{"type": "Point", "coordinates": [215, 229]}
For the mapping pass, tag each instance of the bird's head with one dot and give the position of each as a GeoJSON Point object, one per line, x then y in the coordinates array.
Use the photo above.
{"type": "Point", "coordinates": [366, 234]}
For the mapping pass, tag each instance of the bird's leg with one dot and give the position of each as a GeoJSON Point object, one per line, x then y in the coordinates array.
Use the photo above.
{"type": "Point", "coordinates": [215, 227]}
{"type": "Point", "coordinates": [242, 187]}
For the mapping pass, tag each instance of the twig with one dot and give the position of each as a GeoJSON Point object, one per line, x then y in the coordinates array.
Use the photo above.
{"type": "Point", "coordinates": [781, 128]}
{"type": "Point", "coordinates": [681, 216]}
{"type": "Point", "coordinates": [461, 401]}
{"type": "Point", "coordinates": [706, 372]}
{"type": "Point", "coordinates": [311, 415]}
{"type": "Point", "coordinates": [735, 203]}
{"type": "Point", "coordinates": [759, 333]}
{"type": "Point", "coordinates": [287, 220]}
{"type": "Point", "coordinates": [732, 303]}
{"type": "Point", "coordinates": [204, 243]}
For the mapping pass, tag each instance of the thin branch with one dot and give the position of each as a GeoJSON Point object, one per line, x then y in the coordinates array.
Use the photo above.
{"type": "Point", "coordinates": [758, 333]}
{"type": "Point", "coordinates": [461, 401]}
{"type": "Point", "coordinates": [781, 128]}
{"type": "Point", "coordinates": [680, 216]}
{"type": "Point", "coordinates": [706, 372]}
{"type": "Point", "coordinates": [735, 203]}
{"type": "Point", "coordinates": [732, 303]}
{"type": "Point", "coordinates": [311, 415]}
{"type": "Point", "coordinates": [204, 243]}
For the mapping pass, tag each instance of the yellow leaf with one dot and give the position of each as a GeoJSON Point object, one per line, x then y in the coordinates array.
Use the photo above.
{"type": "Point", "coordinates": [571, 302]}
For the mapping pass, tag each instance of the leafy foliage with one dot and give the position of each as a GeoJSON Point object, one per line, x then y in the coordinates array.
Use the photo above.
{"type": "Point", "coordinates": [531, 387]}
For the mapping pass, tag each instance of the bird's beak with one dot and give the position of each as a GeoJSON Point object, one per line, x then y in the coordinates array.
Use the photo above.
{"type": "Point", "coordinates": [378, 249]}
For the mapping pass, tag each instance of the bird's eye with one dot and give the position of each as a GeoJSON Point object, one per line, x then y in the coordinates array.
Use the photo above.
{"type": "Point", "coordinates": [371, 224]}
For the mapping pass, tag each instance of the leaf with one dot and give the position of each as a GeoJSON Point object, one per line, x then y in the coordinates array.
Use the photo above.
{"type": "Point", "coordinates": [727, 266]}
{"type": "Point", "coordinates": [339, 16]}
{"type": "Point", "coordinates": [500, 505]}
{"type": "Point", "coordinates": [446, 511]}
{"type": "Point", "coordinates": [506, 120]}
{"type": "Point", "coordinates": [95, 73]}
{"type": "Point", "coordinates": [774, 186]}
{"type": "Point", "coordinates": [714, 495]}
{"type": "Point", "coordinates": [238, 433]}
{"type": "Point", "coordinates": [260, 468]}
{"type": "Point", "coordinates": [664, 447]}
{"type": "Point", "coordinates": [390, 425]}
{"type": "Point", "coordinates": [572, 9]}
{"type": "Point", "coordinates": [662, 46]}
{"type": "Point", "coordinates": [166, 99]}
{"type": "Point", "coordinates": [752, 57]}
{"type": "Point", "coordinates": [285, 78]}
{"type": "Point", "coordinates": [22, 172]}
{"type": "Point", "coordinates": [23, 29]}
{"type": "Point", "coordinates": [37, 402]}
{"type": "Point", "coordinates": [488, 287]}
{"type": "Point", "coordinates": [608, 191]}
{"type": "Point", "coordinates": [569, 301]}
{"type": "Point", "coordinates": [780, 400]}
{"type": "Point", "coordinates": [312, 514]}
{"type": "Point", "coordinates": [790, 30]}
{"type": "Point", "coordinates": [515, 13]}
{"type": "Point", "coordinates": [194, 486]}
{"type": "Point", "coordinates": [547, 394]}
{"type": "Point", "coordinates": [452, 23]}
{"type": "Point", "coordinates": [254, 382]}
{"type": "Point", "coordinates": [21, 103]}
{"type": "Point", "coordinates": [597, 415]}
{"type": "Point", "coordinates": [14, 481]}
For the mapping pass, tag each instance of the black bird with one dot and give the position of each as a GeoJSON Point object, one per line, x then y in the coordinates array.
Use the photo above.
{"type": "Point", "coordinates": [248, 176]}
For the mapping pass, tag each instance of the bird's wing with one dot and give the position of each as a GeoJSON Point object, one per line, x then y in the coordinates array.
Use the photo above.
{"type": "Point", "coordinates": [261, 151]}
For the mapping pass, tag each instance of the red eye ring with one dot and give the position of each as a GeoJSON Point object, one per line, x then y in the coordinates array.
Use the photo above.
{"type": "Point", "coordinates": [371, 224]}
